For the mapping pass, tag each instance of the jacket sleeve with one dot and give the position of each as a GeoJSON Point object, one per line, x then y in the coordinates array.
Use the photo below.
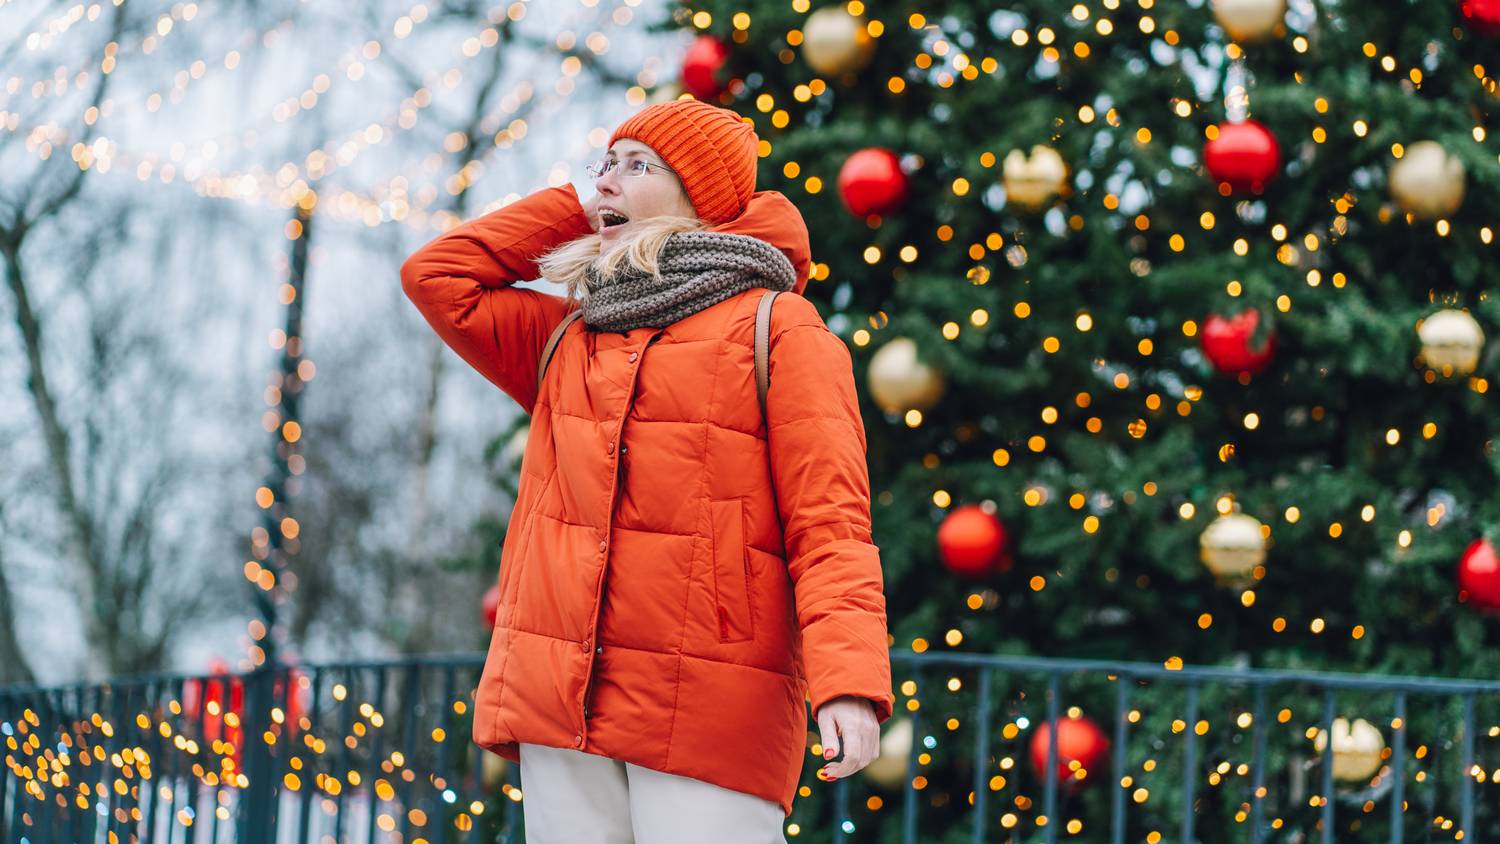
{"type": "Point", "coordinates": [817, 445]}
{"type": "Point", "coordinates": [461, 282]}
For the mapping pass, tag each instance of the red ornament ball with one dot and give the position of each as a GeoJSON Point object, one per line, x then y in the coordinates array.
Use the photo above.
{"type": "Point", "coordinates": [1226, 342]}
{"type": "Point", "coordinates": [972, 542]}
{"type": "Point", "coordinates": [871, 182]}
{"type": "Point", "coordinates": [1078, 740]}
{"type": "Point", "coordinates": [703, 68]}
{"type": "Point", "coordinates": [1479, 574]}
{"type": "Point", "coordinates": [490, 606]}
{"type": "Point", "coordinates": [1244, 155]}
{"type": "Point", "coordinates": [1482, 16]}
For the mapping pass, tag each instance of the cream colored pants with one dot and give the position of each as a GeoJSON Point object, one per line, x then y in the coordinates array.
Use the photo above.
{"type": "Point", "coordinates": [572, 797]}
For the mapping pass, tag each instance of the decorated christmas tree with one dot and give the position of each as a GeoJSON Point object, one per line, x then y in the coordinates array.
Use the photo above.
{"type": "Point", "coordinates": [1169, 319]}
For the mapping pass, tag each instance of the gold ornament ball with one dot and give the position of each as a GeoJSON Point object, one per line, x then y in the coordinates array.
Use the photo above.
{"type": "Point", "coordinates": [1232, 546]}
{"type": "Point", "coordinates": [835, 42]}
{"type": "Point", "coordinates": [1451, 342]}
{"type": "Point", "coordinates": [665, 93]}
{"type": "Point", "coordinates": [1248, 21]}
{"type": "Point", "coordinates": [1031, 182]}
{"type": "Point", "coordinates": [888, 770]}
{"type": "Point", "coordinates": [1357, 749]}
{"type": "Point", "coordinates": [515, 447]}
{"type": "Point", "coordinates": [1427, 182]}
{"type": "Point", "coordinates": [899, 381]}
{"type": "Point", "coordinates": [492, 770]}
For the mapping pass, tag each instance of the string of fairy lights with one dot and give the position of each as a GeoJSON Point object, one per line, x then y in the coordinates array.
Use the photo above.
{"type": "Point", "coordinates": [285, 183]}
{"type": "Point", "coordinates": [943, 65]}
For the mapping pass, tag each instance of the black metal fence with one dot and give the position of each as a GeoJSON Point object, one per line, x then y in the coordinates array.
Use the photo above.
{"type": "Point", "coordinates": [381, 751]}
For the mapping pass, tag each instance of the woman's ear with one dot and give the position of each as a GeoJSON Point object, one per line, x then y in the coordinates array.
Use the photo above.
{"type": "Point", "coordinates": [685, 204]}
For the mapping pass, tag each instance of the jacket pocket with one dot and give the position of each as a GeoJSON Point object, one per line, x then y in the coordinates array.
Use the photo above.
{"type": "Point", "coordinates": [512, 559]}
{"type": "Point", "coordinates": [731, 571]}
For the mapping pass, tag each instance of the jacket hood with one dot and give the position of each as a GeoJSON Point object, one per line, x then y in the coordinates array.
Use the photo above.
{"type": "Point", "coordinates": [772, 217]}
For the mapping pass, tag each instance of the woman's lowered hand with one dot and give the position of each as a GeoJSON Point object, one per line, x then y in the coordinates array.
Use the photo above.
{"type": "Point", "coordinates": [848, 723]}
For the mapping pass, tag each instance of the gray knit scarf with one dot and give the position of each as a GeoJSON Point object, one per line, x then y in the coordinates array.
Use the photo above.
{"type": "Point", "coordinates": [696, 269]}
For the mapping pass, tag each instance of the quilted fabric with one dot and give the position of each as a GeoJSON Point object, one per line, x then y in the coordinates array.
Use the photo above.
{"type": "Point", "coordinates": [676, 585]}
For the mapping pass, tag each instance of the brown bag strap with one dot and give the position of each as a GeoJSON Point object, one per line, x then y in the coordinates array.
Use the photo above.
{"type": "Point", "coordinates": [547, 350]}
{"type": "Point", "coordinates": [763, 349]}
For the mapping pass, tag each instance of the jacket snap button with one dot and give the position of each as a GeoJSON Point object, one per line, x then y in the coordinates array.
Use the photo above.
{"type": "Point", "coordinates": [633, 356]}
{"type": "Point", "coordinates": [602, 545]}
{"type": "Point", "coordinates": [599, 650]}
{"type": "Point", "coordinates": [610, 449]}
{"type": "Point", "coordinates": [577, 741]}
{"type": "Point", "coordinates": [584, 644]}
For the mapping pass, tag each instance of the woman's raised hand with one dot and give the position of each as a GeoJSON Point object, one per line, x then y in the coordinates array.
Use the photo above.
{"type": "Point", "coordinates": [591, 209]}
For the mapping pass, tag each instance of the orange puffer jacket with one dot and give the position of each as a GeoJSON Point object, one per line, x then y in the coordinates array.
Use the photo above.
{"type": "Point", "coordinates": [675, 583]}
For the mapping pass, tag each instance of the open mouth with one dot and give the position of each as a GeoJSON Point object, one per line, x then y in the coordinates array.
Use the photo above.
{"type": "Point", "coordinates": [611, 219]}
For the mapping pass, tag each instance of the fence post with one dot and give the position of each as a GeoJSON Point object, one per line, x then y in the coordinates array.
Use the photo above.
{"type": "Point", "coordinates": [257, 805]}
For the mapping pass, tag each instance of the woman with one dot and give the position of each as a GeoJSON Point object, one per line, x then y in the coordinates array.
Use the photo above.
{"type": "Point", "coordinates": [680, 577]}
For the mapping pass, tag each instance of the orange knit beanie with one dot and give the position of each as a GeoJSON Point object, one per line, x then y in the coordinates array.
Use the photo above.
{"type": "Point", "coordinates": [713, 151]}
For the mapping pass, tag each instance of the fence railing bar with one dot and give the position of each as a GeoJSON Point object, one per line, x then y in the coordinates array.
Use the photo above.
{"type": "Point", "coordinates": [42, 809]}
{"type": "Point", "coordinates": [226, 705]}
{"type": "Point", "coordinates": [445, 711]}
{"type": "Point", "coordinates": [377, 743]}
{"type": "Point", "coordinates": [161, 758]}
{"type": "Point", "coordinates": [909, 807]}
{"type": "Point", "coordinates": [50, 819]}
{"type": "Point", "coordinates": [474, 659]}
{"type": "Point", "coordinates": [80, 824]}
{"type": "Point", "coordinates": [97, 774]}
{"type": "Point", "coordinates": [1117, 766]}
{"type": "Point", "coordinates": [1190, 764]}
{"type": "Point", "coordinates": [1398, 772]}
{"type": "Point", "coordinates": [1326, 787]}
{"type": "Point", "coordinates": [200, 688]}
{"type": "Point", "coordinates": [8, 709]}
{"type": "Point", "coordinates": [1186, 674]}
{"type": "Point", "coordinates": [7, 715]}
{"type": "Point", "coordinates": [1049, 802]}
{"type": "Point", "coordinates": [1258, 766]}
{"type": "Point", "coordinates": [412, 689]}
{"type": "Point", "coordinates": [346, 707]}
{"type": "Point", "coordinates": [514, 817]}
{"type": "Point", "coordinates": [1466, 784]}
{"type": "Point", "coordinates": [19, 799]}
{"type": "Point", "coordinates": [152, 705]}
{"type": "Point", "coordinates": [73, 825]}
{"type": "Point", "coordinates": [309, 776]}
{"type": "Point", "coordinates": [118, 803]}
{"type": "Point", "coordinates": [981, 757]}
{"type": "Point", "coordinates": [1146, 670]}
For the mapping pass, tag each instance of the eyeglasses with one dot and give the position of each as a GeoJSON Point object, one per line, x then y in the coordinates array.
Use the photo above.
{"type": "Point", "coordinates": [631, 167]}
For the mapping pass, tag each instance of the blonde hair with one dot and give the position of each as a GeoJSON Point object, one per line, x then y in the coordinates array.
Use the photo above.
{"type": "Point", "coordinates": [639, 249]}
